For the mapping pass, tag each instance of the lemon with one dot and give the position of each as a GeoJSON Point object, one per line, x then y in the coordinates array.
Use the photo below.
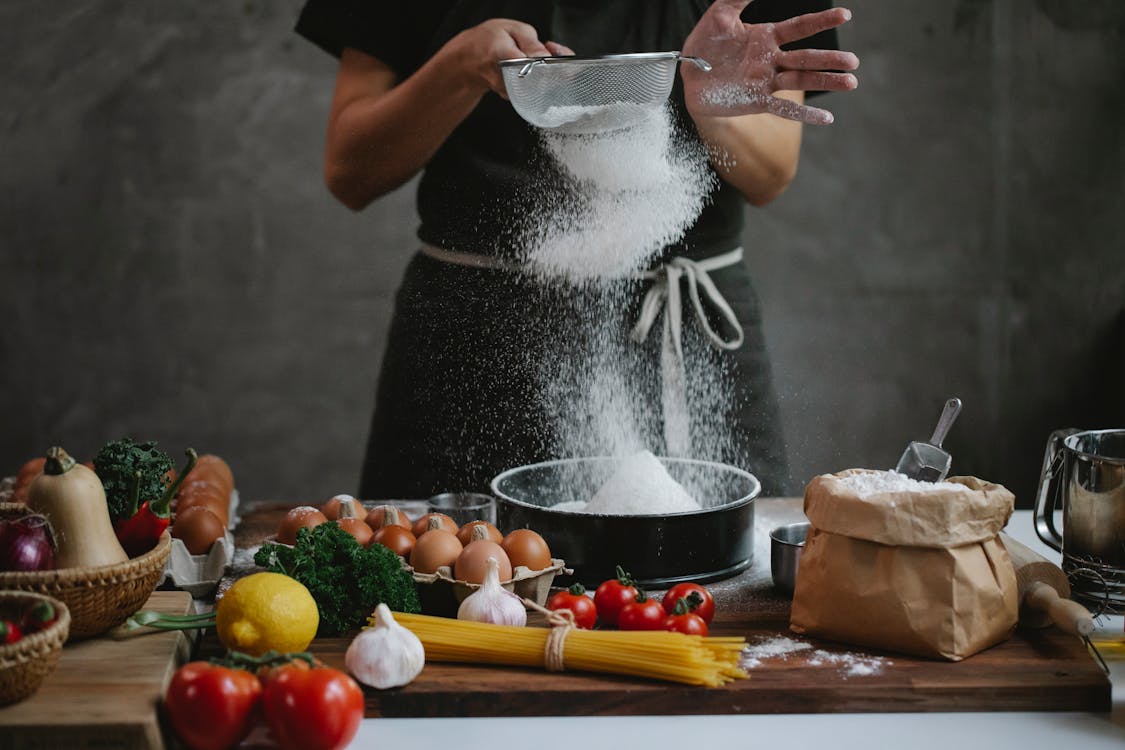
{"type": "Point", "coordinates": [266, 611]}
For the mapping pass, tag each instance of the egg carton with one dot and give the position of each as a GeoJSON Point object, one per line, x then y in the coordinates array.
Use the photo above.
{"type": "Point", "coordinates": [200, 574]}
{"type": "Point", "coordinates": [441, 594]}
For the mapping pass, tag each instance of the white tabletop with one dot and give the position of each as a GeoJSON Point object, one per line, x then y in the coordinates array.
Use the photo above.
{"type": "Point", "coordinates": [1058, 731]}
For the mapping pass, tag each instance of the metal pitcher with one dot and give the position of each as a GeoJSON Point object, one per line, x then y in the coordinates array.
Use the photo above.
{"type": "Point", "coordinates": [1084, 475]}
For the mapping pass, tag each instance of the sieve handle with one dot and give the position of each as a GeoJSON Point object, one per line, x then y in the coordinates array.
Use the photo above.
{"type": "Point", "coordinates": [530, 64]}
{"type": "Point", "coordinates": [699, 62]}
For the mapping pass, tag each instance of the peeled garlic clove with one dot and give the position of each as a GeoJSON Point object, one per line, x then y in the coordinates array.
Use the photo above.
{"type": "Point", "coordinates": [492, 603]}
{"type": "Point", "coordinates": [386, 655]}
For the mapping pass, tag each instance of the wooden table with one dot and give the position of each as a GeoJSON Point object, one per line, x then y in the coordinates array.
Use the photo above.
{"type": "Point", "coordinates": [1038, 670]}
{"type": "Point", "coordinates": [104, 692]}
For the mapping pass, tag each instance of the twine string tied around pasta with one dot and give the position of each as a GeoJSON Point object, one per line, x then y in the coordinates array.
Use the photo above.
{"type": "Point", "coordinates": [561, 622]}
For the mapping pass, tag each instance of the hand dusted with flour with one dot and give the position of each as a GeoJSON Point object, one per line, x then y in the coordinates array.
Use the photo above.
{"type": "Point", "coordinates": [748, 65]}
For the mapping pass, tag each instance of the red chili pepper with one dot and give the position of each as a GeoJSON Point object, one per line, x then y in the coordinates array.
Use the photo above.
{"type": "Point", "coordinates": [140, 532]}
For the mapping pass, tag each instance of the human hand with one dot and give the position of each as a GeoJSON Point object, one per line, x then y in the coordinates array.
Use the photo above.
{"type": "Point", "coordinates": [748, 64]}
{"type": "Point", "coordinates": [476, 51]}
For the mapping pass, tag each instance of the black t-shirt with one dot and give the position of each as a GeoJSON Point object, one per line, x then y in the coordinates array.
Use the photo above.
{"type": "Point", "coordinates": [492, 169]}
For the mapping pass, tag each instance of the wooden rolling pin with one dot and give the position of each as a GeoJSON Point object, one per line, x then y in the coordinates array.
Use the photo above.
{"type": "Point", "coordinates": [1045, 593]}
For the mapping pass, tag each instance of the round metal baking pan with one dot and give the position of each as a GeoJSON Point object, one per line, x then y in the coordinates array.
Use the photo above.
{"type": "Point", "coordinates": [658, 550]}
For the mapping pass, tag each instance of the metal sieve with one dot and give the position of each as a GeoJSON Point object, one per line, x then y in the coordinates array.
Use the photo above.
{"type": "Point", "coordinates": [580, 95]}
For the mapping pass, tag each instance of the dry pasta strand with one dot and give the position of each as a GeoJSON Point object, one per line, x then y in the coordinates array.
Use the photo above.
{"type": "Point", "coordinates": [661, 655]}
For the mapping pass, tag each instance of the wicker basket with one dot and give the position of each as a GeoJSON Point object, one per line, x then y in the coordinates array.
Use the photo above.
{"type": "Point", "coordinates": [27, 662]}
{"type": "Point", "coordinates": [99, 598]}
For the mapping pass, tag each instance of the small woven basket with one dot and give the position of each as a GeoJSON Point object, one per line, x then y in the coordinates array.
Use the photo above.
{"type": "Point", "coordinates": [99, 598]}
{"type": "Point", "coordinates": [27, 662]}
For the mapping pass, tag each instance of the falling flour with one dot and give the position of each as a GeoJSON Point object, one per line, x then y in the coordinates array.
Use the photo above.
{"type": "Point", "coordinates": [632, 192]}
{"type": "Point", "coordinates": [866, 484]}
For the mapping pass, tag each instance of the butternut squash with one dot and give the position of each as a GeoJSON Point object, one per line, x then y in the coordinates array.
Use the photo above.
{"type": "Point", "coordinates": [72, 498]}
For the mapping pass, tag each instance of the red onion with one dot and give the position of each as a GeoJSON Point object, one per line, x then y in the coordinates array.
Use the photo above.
{"type": "Point", "coordinates": [25, 543]}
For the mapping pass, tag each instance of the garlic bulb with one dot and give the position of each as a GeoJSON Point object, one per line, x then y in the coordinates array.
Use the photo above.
{"type": "Point", "coordinates": [491, 603]}
{"type": "Point", "coordinates": [386, 655]}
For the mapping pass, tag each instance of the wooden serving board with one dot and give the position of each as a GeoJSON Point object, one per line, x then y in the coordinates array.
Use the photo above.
{"type": "Point", "coordinates": [1035, 670]}
{"type": "Point", "coordinates": [104, 692]}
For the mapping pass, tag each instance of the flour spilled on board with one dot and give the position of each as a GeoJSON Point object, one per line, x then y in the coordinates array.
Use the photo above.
{"type": "Point", "coordinates": [780, 648]}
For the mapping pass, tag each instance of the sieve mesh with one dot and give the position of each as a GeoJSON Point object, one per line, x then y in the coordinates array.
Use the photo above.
{"type": "Point", "coordinates": [590, 94]}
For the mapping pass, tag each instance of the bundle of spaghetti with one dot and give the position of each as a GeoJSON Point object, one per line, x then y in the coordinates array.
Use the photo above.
{"type": "Point", "coordinates": [656, 654]}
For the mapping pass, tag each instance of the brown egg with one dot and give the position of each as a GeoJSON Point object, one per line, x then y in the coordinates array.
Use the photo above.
{"type": "Point", "coordinates": [527, 548]}
{"type": "Point", "coordinates": [357, 528]}
{"type": "Point", "coordinates": [208, 495]}
{"type": "Point", "coordinates": [210, 465]}
{"type": "Point", "coordinates": [435, 548]}
{"type": "Point", "coordinates": [397, 539]}
{"type": "Point", "coordinates": [472, 563]}
{"type": "Point", "coordinates": [423, 524]}
{"type": "Point", "coordinates": [466, 533]}
{"type": "Point", "coordinates": [303, 516]}
{"type": "Point", "coordinates": [198, 528]}
{"type": "Point", "coordinates": [331, 508]}
{"type": "Point", "coordinates": [382, 515]}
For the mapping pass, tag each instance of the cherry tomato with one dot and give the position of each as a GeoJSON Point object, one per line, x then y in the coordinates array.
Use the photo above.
{"type": "Point", "coordinates": [312, 709]}
{"type": "Point", "coordinates": [41, 615]}
{"type": "Point", "coordinates": [613, 595]}
{"type": "Point", "coordinates": [575, 600]}
{"type": "Point", "coordinates": [642, 614]}
{"type": "Point", "coordinates": [699, 600]}
{"type": "Point", "coordinates": [9, 632]}
{"type": "Point", "coordinates": [212, 707]}
{"type": "Point", "coordinates": [683, 620]}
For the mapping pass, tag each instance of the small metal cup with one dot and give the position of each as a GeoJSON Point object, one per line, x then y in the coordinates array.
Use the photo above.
{"type": "Point", "coordinates": [786, 543]}
{"type": "Point", "coordinates": [464, 507]}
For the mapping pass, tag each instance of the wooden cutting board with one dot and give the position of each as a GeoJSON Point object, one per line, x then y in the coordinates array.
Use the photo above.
{"type": "Point", "coordinates": [104, 692]}
{"type": "Point", "coordinates": [1036, 670]}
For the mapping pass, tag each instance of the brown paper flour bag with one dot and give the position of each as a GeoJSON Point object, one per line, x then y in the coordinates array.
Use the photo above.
{"type": "Point", "coordinates": [919, 572]}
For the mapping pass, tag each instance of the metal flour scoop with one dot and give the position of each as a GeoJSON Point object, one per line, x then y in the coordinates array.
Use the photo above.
{"type": "Point", "coordinates": [928, 462]}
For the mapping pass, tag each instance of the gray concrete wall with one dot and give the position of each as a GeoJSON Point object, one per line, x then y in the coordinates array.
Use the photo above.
{"type": "Point", "coordinates": [171, 266]}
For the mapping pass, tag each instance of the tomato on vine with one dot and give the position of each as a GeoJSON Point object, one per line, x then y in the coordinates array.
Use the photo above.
{"type": "Point", "coordinates": [699, 600]}
{"type": "Point", "coordinates": [210, 706]}
{"type": "Point", "coordinates": [642, 614]}
{"type": "Point", "coordinates": [613, 595]}
{"type": "Point", "coordinates": [683, 620]}
{"type": "Point", "coordinates": [312, 708]}
{"type": "Point", "coordinates": [575, 600]}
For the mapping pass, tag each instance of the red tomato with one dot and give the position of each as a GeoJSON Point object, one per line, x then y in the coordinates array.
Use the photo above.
{"type": "Point", "coordinates": [212, 707]}
{"type": "Point", "coordinates": [613, 595]}
{"type": "Point", "coordinates": [642, 614]}
{"type": "Point", "coordinates": [312, 709]}
{"type": "Point", "coordinates": [9, 632]}
{"type": "Point", "coordinates": [575, 599]}
{"type": "Point", "coordinates": [682, 620]}
{"type": "Point", "coordinates": [702, 603]}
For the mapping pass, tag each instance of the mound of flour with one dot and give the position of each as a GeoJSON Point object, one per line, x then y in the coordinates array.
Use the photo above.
{"type": "Point", "coordinates": [879, 482]}
{"type": "Point", "coordinates": [640, 486]}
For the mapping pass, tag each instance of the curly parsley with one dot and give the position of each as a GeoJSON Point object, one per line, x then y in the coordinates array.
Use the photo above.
{"type": "Point", "coordinates": [346, 580]}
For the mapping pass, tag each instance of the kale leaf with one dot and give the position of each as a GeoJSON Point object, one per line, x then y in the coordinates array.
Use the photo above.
{"type": "Point", "coordinates": [346, 579]}
{"type": "Point", "coordinates": [117, 463]}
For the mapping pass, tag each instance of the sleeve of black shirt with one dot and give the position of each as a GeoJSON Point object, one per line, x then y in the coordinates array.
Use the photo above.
{"type": "Point", "coordinates": [397, 33]}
